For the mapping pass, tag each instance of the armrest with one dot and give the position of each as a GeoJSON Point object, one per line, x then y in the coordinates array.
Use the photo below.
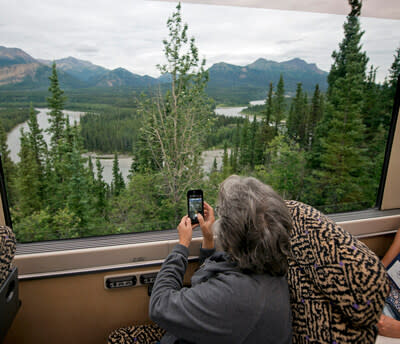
{"type": "Point", "coordinates": [9, 302]}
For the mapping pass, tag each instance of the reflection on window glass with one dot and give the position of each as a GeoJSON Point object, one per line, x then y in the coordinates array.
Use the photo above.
{"type": "Point", "coordinates": [110, 139]}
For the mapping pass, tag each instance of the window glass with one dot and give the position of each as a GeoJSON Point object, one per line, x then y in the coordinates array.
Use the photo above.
{"type": "Point", "coordinates": [110, 113]}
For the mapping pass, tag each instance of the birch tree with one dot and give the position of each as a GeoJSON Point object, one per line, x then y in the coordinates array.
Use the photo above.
{"type": "Point", "coordinates": [177, 121]}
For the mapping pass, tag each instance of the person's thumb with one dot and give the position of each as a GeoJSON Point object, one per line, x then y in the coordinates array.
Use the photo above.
{"type": "Point", "coordinates": [201, 219]}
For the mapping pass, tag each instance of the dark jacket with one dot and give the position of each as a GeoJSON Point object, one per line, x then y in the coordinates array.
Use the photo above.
{"type": "Point", "coordinates": [224, 305]}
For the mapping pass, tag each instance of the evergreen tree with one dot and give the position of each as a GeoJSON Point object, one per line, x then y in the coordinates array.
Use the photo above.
{"type": "Point", "coordinates": [349, 60]}
{"type": "Point", "coordinates": [279, 104]}
{"type": "Point", "coordinates": [394, 73]}
{"type": "Point", "coordinates": [316, 112]}
{"type": "Point", "coordinates": [286, 169]}
{"type": "Point", "coordinates": [214, 167]}
{"type": "Point", "coordinates": [269, 105]}
{"type": "Point", "coordinates": [298, 118]}
{"type": "Point", "coordinates": [28, 183]}
{"type": "Point", "coordinates": [342, 161]}
{"type": "Point", "coordinates": [117, 184]}
{"type": "Point", "coordinates": [90, 169]}
{"type": "Point", "coordinates": [91, 178]}
{"type": "Point", "coordinates": [4, 151]}
{"type": "Point", "coordinates": [388, 92]}
{"type": "Point", "coordinates": [36, 140]}
{"type": "Point", "coordinates": [225, 162]}
{"type": "Point", "coordinates": [38, 147]}
{"type": "Point", "coordinates": [373, 111]}
{"type": "Point", "coordinates": [244, 148]}
{"type": "Point", "coordinates": [234, 158]}
{"type": "Point", "coordinates": [56, 104]}
{"type": "Point", "coordinates": [305, 122]}
{"type": "Point", "coordinates": [252, 143]}
{"type": "Point", "coordinates": [266, 132]}
{"type": "Point", "coordinates": [79, 199]}
{"type": "Point", "coordinates": [100, 191]}
{"type": "Point", "coordinates": [8, 165]}
{"type": "Point", "coordinates": [57, 163]}
{"type": "Point", "coordinates": [30, 180]}
{"type": "Point", "coordinates": [259, 143]}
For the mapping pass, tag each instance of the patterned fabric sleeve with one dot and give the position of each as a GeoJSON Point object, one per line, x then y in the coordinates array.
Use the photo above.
{"type": "Point", "coordinates": [139, 334]}
{"type": "Point", "coordinates": [342, 268]}
{"type": "Point", "coordinates": [7, 251]}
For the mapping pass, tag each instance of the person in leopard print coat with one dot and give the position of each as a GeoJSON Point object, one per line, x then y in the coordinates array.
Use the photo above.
{"type": "Point", "coordinates": [337, 284]}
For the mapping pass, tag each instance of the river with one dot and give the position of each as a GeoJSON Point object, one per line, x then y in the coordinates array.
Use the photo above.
{"type": "Point", "coordinates": [14, 144]}
{"type": "Point", "coordinates": [13, 138]}
{"type": "Point", "coordinates": [236, 111]}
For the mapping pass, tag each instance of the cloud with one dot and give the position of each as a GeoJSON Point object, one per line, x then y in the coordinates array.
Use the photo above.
{"type": "Point", "coordinates": [86, 49]}
{"type": "Point", "coordinates": [290, 41]}
{"type": "Point", "coordinates": [129, 33]}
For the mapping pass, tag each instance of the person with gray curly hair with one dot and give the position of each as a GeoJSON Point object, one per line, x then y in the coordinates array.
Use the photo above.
{"type": "Point", "coordinates": [254, 226]}
{"type": "Point", "coordinates": [239, 294]}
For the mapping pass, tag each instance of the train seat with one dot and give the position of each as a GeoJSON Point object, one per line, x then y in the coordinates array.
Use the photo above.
{"type": "Point", "coordinates": [9, 300]}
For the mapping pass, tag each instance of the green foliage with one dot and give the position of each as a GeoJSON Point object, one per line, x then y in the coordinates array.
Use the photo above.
{"type": "Point", "coordinates": [279, 104]}
{"type": "Point", "coordinates": [11, 116]}
{"type": "Point", "coordinates": [57, 195]}
{"type": "Point", "coordinates": [143, 206]}
{"type": "Point", "coordinates": [117, 184]}
{"type": "Point", "coordinates": [110, 130]}
{"type": "Point", "coordinates": [223, 130]}
{"type": "Point", "coordinates": [316, 112]}
{"type": "Point", "coordinates": [245, 146]}
{"type": "Point", "coordinates": [394, 72]}
{"type": "Point", "coordinates": [342, 167]}
{"type": "Point", "coordinates": [8, 165]}
{"type": "Point", "coordinates": [298, 119]}
{"type": "Point", "coordinates": [46, 225]}
{"type": "Point", "coordinates": [286, 170]}
{"type": "Point", "coordinates": [176, 123]}
{"type": "Point", "coordinates": [29, 183]}
{"type": "Point", "coordinates": [56, 105]}
{"type": "Point", "coordinates": [100, 189]}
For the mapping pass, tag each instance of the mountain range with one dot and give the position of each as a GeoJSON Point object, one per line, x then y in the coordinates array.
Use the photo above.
{"type": "Point", "coordinates": [19, 71]}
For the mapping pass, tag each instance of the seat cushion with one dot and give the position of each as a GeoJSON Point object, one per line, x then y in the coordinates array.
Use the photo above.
{"type": "Point", "coordinates": [7, 251]}
{"type": "Point", "coordinates": [140, 334]}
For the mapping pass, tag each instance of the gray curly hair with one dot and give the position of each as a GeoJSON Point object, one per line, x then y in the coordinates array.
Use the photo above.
{"type": "Point", "coordinates": [253, 225]}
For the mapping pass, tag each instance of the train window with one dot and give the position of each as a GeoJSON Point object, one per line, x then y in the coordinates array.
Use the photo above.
{"type": "Point", "coordinates": [110, 113]}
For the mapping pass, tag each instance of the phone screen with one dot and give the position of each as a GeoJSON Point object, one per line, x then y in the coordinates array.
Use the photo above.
{"type": "Point", "coordinates": [195, 204]}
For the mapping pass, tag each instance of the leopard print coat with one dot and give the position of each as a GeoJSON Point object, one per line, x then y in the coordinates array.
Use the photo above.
{"type": "Point", "coordinates": [7, 251]}
{"type": "Point", "coordinates": [337, 285]}
{"type": "Point", "coordinates": [141, 334]}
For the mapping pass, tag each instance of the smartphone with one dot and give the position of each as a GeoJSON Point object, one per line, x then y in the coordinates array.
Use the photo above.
{"type": "Point", "coordinates": [195, 204]}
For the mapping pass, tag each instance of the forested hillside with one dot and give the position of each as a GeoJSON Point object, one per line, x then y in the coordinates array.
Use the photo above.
{"type": "Point", "coordinates": [85, 82]}
{"type": "Point", "coordinates": [229, 84]}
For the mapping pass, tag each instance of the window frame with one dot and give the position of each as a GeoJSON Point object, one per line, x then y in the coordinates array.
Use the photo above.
{"type": "Point", "coordinates": [121, 251]}
{"type": "Point", "coordinates": [136, 249]}
{"type": "Point", "coordinates": [5, 216]}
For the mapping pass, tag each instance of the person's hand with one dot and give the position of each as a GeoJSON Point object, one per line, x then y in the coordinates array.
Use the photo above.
{"type": "Point", "coordinates": [206, 224]}
{"type": "Point", "coordinates": [185, 230]}
{"type": "Point", "coordinates": [388, 327]}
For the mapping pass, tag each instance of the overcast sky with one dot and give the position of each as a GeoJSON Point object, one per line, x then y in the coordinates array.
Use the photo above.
{"type": "Point", "coordinates": [129, 33]}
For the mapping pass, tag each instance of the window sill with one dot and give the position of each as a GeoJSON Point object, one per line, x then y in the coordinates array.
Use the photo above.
{"type": "Point", "coordinates": [129, 250]}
